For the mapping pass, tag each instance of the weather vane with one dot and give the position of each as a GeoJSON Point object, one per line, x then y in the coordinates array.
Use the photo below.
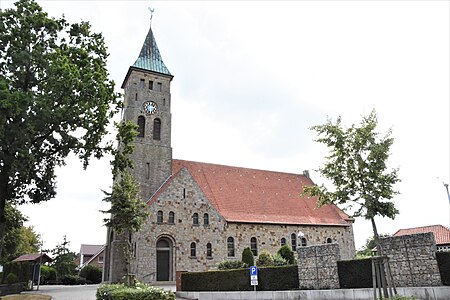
{"type": "Point", "coordinates": [151, 14]}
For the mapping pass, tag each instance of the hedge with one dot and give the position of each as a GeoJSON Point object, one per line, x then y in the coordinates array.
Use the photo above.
{"type": "Point", "coordinates": [443, 260]}
{"type": "Point", "coordinates": [140, 292]}
{"type": "Point", "coordinates": [354, 274]}
{"type": "Point", "coordinates": [269, 279]}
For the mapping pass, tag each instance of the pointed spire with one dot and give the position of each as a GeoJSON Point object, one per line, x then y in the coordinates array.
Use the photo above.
{"type": "Point", "coordinates": [150, 58]}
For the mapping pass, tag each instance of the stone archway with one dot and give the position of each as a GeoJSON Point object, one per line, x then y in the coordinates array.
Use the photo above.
{"type": "Point", "coordinates": [164, 259]}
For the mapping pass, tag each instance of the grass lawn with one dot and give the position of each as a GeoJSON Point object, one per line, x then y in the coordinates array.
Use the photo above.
{"type": "Point", "coordinates": [26, 297]}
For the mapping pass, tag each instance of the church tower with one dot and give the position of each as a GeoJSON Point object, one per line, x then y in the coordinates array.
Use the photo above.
{"type": "Point", "coordinates": [147, 104]}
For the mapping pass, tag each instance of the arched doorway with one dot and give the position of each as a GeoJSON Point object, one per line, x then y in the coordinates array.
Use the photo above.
{"type": "Point", "coordinates": [164, 259]}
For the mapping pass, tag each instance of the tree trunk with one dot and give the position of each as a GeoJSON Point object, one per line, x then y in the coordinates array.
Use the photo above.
{"type": "Point", "coordinates": [376, 237]}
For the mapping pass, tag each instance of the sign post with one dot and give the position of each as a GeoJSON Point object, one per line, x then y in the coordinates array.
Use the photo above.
{"type": "Point", "coordinates": [254, 277]}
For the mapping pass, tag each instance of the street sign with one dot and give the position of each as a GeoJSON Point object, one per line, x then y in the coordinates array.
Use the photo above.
{"type": "Point", "coordinates": [253, 276]}
{"type": "Point", "coordinates": [254, 282]}
{"type": "Point", "coordinates": [253, 270]}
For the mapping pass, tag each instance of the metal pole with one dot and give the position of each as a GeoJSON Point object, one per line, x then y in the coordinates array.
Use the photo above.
{"type": "Point", "coordinates": [448, 195]}
{"type": "Point", "coordinates": [40, 262]}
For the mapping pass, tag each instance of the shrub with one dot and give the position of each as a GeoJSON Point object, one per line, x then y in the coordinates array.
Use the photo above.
{"type": "Point", "coordinates": [47, 274]}
{"type": "Point", "coordinates": [11, 278]}
{"type": "Point", "coordinates": [247, 257]}
{"type": "Point", "coordinates": [278, 260]}
{"type": "Point", "coordinates": [140, 292]}
{"type": "Point", "coordinates": [92, 274]}
{"type": "Point", "coordinates": [286, 252]}
{"type": "Point", "coordinates": [264, 259]}
{"type": "Point", "coordinates": [443, 260]}
{"type": "Point", "coordinates": [73, 280]}
{"type": "Point", "coordinates": [231, 265]}
{"type": "Point", "coordinates": [355, 273]}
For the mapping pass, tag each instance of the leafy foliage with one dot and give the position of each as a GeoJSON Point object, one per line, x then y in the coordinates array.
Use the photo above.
{"type": "Point", "coordinates": [55, 98]}
{"type": "Point", "coordinates": [47, 274]}
{"type": "Point", "coordinates": [92, 274]}
{"type": "Point", "coordinates": [367, 249]}
{"type": "Point", "coordinates": [247, 257]}
{"type": "Point", "coordinates": [11, 278]}
{"type": "Point", "coordinates": [231, 265]}
{"type": "Point", "coordinates": [279, 260]}
{"type": "Point", "coordinates": [140, 292]}
{"type": "Point", "coordinates": [286, 252]}
{"type": "Point", "coordinates": [265, 259]}
{"type": "Point", "coordinates": [71, 279]}
{"type": "Point", "coordinates": [64, 260]}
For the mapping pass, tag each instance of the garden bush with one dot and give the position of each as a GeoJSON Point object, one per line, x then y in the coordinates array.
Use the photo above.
{"type": "Point", "coordinates": [264, 259]}
{"type": "Point", "coordinates": [92, 274]}
{"type": "Point", "coordinates": [47, 274]}
{"type": "Point", "coordinates": [443, 260]}
{"type": "Point", "coordinates": [11, 278]}
{"type": "Point", "coordinates": [247, 257]}
{"type": "Point", "coordinates": [140, 292]}
{"type": "Point", "coordinates": [355, 273]}
{"type": "Point", "coordinates": [73, 280]}
{"type": "Point", "coordinates": [286, 252]}
{"type": "Point", "coordinates": [231, 265]}
{"type": "Point", "coordinates": [278, 260]}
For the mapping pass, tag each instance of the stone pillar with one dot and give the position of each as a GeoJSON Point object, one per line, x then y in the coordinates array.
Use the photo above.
{"type": "Point", "coordinates": [317, 266]}
{"type": "Point", "coordinates": [118, 266]}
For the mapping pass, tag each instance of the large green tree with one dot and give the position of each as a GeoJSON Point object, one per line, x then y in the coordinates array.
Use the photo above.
{"type": "Point", "coordinates": [64, 259]}
{"type": "Point", "coordinates": [55, 98]}
{"type": "Point", "coordinates": [357, 168]}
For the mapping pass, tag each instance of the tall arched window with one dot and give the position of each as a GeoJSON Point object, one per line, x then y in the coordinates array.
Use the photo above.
{"type": "Point", "coordinates": [208, 250]}
{"type": "Point", "coordinates": [329, 240]}
{"type": "Point", "coordinates": [304, 243]}
{"type": "Point", "coordinates": [294, 242]}
{"type": "Point", "coordinates": [157, 129]}
{"type": "Point", "coordinates": [193, 249]}
{"type": "Point", "coordinates": [141, 126]}
{"type": "Point", "coordinates": [195, 219]}
{"type": "Point", "coordinates": [230, 246]}
{"type": "Point", "coordinates": [159, 217]}
{"type": "Point", "coordinates": [205, 219]}
{"type": "Point", "coordinates": [283, 241]}
{"type": "Point", "coordinates": [171, 217]}
{"type": "Point", "coordinates": [254, 246]}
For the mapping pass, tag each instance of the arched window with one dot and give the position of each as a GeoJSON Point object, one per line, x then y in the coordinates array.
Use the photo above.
{"type": "Point", "coordinates": [208, 250]}
{"type": "Point", "coordinates": [329, 240]}
{"type": "Point", "coordinates": [141, 126]}
{"type": "Point", "coordinates": [304, 243]}
{"type": "Point", "coordinates": [254, 246]}
{"type": "Point", "coordinates": [193, 249]}
{"type": "Point", "coordinates": [157, 129]}
{"type": "Point", "coordinates": [205, 219]}
{"type": "Point", "coordinates": [283, 241]}
{"type": "Point", "coordinates": [195, 219]}
{"type": "Point", "coordinates": [159, 217]}
{"type": "Point", "coordinates": [171, 217]}
{"type": "Point", "coordinates": [230, 246]}
{"type": "Point", "coordinates": [294, 242]}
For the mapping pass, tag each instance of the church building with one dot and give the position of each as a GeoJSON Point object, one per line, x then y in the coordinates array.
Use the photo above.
{"type": "Point", "coordinates": [201, 214]}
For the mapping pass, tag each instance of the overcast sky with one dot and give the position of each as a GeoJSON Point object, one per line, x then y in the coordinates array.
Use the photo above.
{"type": "Point", "coordinates": [252, 77]}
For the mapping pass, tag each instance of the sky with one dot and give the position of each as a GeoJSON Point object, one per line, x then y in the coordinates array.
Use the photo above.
{"type": "Point", "coordinates": [252, 77]}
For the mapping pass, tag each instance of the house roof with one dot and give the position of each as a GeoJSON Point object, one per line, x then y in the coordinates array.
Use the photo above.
{"type": "Point", "coordinates": [441, 233]}
{"type": "Point", "coordinates": [90, 249]}
{"type": "Point", "coordinates": [256, 196]}
{"type": "Point", "coordinates": [34, 257]}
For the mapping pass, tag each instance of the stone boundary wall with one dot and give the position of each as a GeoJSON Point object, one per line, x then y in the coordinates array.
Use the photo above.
{"type": "Point", "coordinates": [412, 259]}
{"type": "Point", "coordinates": [317, 266]}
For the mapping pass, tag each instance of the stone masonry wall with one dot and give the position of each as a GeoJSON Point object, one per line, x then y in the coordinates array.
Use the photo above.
{"type": "Point", "coordinates": [412, 259]}
{"type": "Point", "coordinates": [317, 266]}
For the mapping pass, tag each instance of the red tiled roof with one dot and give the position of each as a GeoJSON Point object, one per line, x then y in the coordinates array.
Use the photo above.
{"type": "Point", "coordinates": [441, 233]}
{"type": "Point", "coordinates": [257, 196]}
{"type": "Point", "coordinates": [33, 257]}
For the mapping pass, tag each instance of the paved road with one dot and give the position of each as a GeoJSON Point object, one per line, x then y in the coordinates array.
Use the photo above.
{"type": "Point", "coordinates": [76, 292]}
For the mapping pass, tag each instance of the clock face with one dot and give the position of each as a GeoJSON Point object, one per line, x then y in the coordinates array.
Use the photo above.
{"type": "Point", "coordinates": [150, 107]}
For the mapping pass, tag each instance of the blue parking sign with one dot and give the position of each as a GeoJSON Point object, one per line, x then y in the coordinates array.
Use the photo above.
{"type": "Point", "coordinates": [253, 271]}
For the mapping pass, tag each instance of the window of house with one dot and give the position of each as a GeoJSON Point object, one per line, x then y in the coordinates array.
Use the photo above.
{"type": "Point", "coordinates": [254, 246]}
{"type": "Point", "coordinates": [208, 250]}
{"type": "Point", "coordinates": [283, 241]}
{"type": "Point", "coordinates": [304, 243]}
{"type": "Point", "coordinates": [159, 217]}
{"type": "Point", "coordinates": [141, 126]}
{"type": "Point", "coordinates": [141, 83]}
{"type": "Point", "coordinates": [329, 240]}
{"type": "Point", "coordinates": [171, 217]}
{"type": "Point", "coordinates": [157, 129]}
{"type": "Point", "coordinates": [230, 246]}
{"type": "Point", "coordinates": [195, 219]}
{"type": "Point", "coordinates": [205, 219]}
{"type": "Point", "coordinates": [100, 259]}
{"type": "Point", "coordinates": [193, 249]}
{"type": "Point", "coordinates": [294, 242]}
{"type": "Point", "coordinates": [159, 86]}
{"type": "Point", "coordinates": [150, 85]}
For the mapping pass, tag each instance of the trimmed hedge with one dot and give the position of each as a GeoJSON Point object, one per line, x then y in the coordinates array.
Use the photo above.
{"type": "Point", "coordinates": [443, 260]}
{"type": "Point", "coordinates": [355, 274]}
{"type": "Point", "coordinates": [269, 279]}
{"type": "Point", "coordinates": [140, 292]}
{"type": "Point", "coordinates": [92, 274]}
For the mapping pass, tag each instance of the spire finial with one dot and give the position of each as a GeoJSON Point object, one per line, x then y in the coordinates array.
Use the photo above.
{"type": "Point", "coordinates": [151, 15]}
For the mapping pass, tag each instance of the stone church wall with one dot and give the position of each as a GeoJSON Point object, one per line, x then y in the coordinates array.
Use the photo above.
{"type": "Point", "coordinates": [184, 197]}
